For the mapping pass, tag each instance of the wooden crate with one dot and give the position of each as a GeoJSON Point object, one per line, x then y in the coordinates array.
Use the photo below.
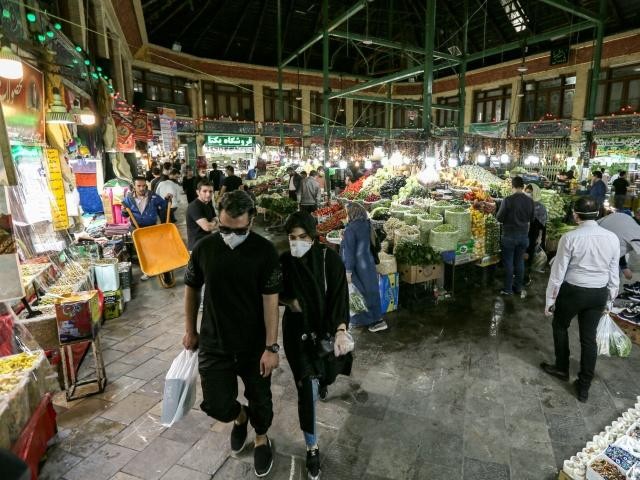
{"type": "Point", "coordinates": [419, 273]}
{"type": "Point", "coordinates": [632, 331]}
{"type": "Point", "coordinates": [563, 476]}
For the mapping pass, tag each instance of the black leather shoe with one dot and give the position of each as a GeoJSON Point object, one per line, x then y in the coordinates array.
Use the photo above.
{"type": "Point", "coordinates": [552, 370]}
{"type": "Point", "coordinates": [581, 393]}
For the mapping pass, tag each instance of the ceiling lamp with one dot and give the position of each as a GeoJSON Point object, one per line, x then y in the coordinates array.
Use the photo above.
{"type": "Point", "coordinates": [10, 64]}
{"type": "Point", "coordinates": [58, 111]}
{"type": "Point", "coordinates": [523, 68]}
{"type": "Point", "coordinates": [87, 117]}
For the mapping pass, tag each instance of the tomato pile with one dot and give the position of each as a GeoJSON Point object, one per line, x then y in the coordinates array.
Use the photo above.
{"type": "Point", "coordinates": [333, 223]}
{"type": "Point", "coordinates": [330, 210]}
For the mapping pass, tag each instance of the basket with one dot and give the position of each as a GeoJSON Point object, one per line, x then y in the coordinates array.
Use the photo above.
{"type": "Point", "coordinates": [440, 207]}
{"type": "Point", "coordinates": [443, 241]}
{"type": "Point", "coordinates": [411, 218]}
{"type": "Point", "coordinates": [426, 224]}
{"type": "Point", "coordinates": [460, 217]}
{"type": "Point", "coordinates": [397, 213]}
{"type": "Point", "coordinates": [399, 237]}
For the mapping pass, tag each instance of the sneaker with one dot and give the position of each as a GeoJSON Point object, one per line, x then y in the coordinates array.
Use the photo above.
{"type": "Point", "coordinates": [629, 296]}
{"type": "Point", "coordinates": [631, 314]}
{"type": "Point", "coordinates": [239, 434]}
{"type": "Point", "coordinates": [553, 371]}
{"type": "Point", "coordinates": [633, 288]}
{"type": "Point", "coordinates": [144, 277]}
{"type": "Point", "coordinates": [378, 326]}
{"type": "Point", "coordinates": [262, 459]}
{"type": "Point", "coordinates": [313, 464]}
{"type": "Point", "coordinates": [624, 303]}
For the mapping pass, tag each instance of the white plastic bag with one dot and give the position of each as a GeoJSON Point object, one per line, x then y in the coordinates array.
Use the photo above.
{"type": "Point", "coordinates": [611, 339]}
{"type": "Point", "coordinates": [180, 387]}
{"type": "Point", "coordinates": [357, 303]}
{"type": "Point", "coordinates": [539, 260]}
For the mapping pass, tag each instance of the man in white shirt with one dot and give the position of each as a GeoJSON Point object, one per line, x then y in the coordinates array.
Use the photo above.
{"type": "Point", "coordinates": [628, 233]}
{"type": "Point", "coordinates": [584, 277]}
{"type": "Point", "coordinates": [170, 190]}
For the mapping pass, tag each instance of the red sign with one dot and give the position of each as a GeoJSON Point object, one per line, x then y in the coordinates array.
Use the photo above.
{"type": "Point", "coordinates": [142, 129]}
{"type": "Point", "coordinates": [124, 129]}
{"type": "Point", "coordinates": [23, 107]}
{"type": "Point", "coordinates": [288, 141]}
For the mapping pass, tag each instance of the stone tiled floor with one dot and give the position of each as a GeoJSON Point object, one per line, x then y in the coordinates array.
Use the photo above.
{"type": "Point", "coordinates": [449, 392]}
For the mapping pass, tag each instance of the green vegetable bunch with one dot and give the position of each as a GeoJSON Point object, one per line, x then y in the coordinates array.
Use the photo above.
{"type": "Point", "coordinates": [413, 253]}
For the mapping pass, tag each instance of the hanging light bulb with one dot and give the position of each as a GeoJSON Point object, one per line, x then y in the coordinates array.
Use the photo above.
{"type": "Point", "coordinates": [87, 117]}
{"type": "Point", "coordinates": [482, 159]}
{"type": "Point", "coordinates": [504, 158]}
{"type": "Point", "coordinates": [58, 111]}
{"type": "Point", "coordinates": [343, 164]}
{"type": "Point", "coordinates": [10, 64]}
{"type": "Point", "coordinates": [368, 164]}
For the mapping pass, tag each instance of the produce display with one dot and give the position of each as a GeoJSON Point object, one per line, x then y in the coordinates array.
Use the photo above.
{"type": "Point", "coordinates": [278, 204]}
{"type": "Point", "coordinates": [469, 176]}
{"type": "Point", "coordinates": [426, 222]}
{"type": "Point", "coordinates": [444, 237]}
{"type": "Point", "coordinates": [440, 207]}
{"type": "Point", "coordinates": [335, 236]}
{"type": "Point", "coordinates": [334, 222]}
{"type": "Point", "coordinates": [411, 217]}
{"type": "Point", "coordinates": [478, 230]}
{"type": "Point", "coordinates": [353, 189]}
{"type": "Point", "coordinates": [554, 204]}
{"type": "Point", "coordinates": [413, 189]}
{"type": "Point", "coordinates": [459, 217]}
{"type": "Point", "coordinates": [492, 236]}
{"type": "Point", "coordinates": [328, 211]}
{"type": "Point", "coordinates": [414, 253]}
{"type": "Point", "coordinates": [380, 213]}
{"type": "Point", "coordinates": [556, 229]}
{"type": "Point", "coordinates": [392, 187]}
{"type": "Point", "coordinates": [392, 225]}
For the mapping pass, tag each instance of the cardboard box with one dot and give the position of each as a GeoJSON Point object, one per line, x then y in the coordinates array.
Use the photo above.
{"type": "Point", "coordinates": [420, 273]}
{"type": "Point", "coordinates": [389, 287]}
{"type": "Point", "coordinates": [113, 304]}
{"type": "Point", "coordinates": [78, 316]}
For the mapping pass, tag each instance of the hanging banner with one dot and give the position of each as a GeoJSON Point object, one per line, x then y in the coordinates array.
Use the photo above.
{"type": "Point", "coordinates": [168, 129]}
{"type": "Point", "coordinates": [618, 146]}
{"type": "Point", "coordinates": [288, 142]}
{"type": "Point", "coordinates": [490, 130]}
{"type": "Point", "coordinates": [125, 141]}
{"type": "Point", "coordinates": [59, 216]}
{"type": "Point", "coordinates": [229, 141]}
{"type": "Point", "coordinates": [142, 129]}
{"type": "Point", "coordinates": [23, 107]}
{"type": "Point", "coordinates": [30, 204]}
{"type": "Point", "coordinates": [10, 283]}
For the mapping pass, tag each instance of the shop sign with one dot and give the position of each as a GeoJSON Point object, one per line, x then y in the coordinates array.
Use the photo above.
{"type": "Point", "coordinates": [142, 129]}
{"type": "Point", "coordinates": [125, 141]}
{"type": "Point", "coordinates": [168, 129]}
{"type": "Point", "coordinates": [490, 130]}
{"type": "Point", "coordinates": [618, 146]}
{"type": "Point", "coordinates": [59, 216]}
{"type": "Point", "coordinates": [10, 283]}
{"type": "Point", "coordinates": [287, 141]}
{"type": "Point", "coordinates": [229, 141]}
{"type": "Point", "coordinates": [559, 55]}
{"type": "Point", "coordinates": [23, 106]}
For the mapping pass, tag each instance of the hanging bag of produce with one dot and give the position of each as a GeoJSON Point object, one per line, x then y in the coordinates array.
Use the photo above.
{"type": "Point", "coordinates": [356, 301]}
{"type": "Point", "coordinates": [539, 260]}
{"type": "Point", "coordinates": [180, 387]}
{"type": "Point", "coordinates": [611, 340]}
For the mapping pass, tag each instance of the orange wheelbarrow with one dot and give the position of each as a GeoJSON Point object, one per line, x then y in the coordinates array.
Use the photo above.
{"type": "Point", "coordinates": [160, 249]}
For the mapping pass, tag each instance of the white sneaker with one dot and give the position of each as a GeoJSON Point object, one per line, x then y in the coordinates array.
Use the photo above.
{"type": "Point", "coordinates": [144, 277]}
{"type": "Point", "coordinates": [379, 326]}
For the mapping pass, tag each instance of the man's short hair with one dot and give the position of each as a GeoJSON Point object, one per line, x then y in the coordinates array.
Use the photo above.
{"type": "Point", "coordinates": [167, 166]}
{"type": "Point", "coordinates": [155, 171]}
{"type": "Point", "coordinates": [214, 165]}
{"type": "Point", "coordinates": [229, 169]}
{"type": "Point", "coordinates": [517, 182]}
{"type": "Point", "coordinates": [536, 169]}
{"type": "Point", "coordinates": [303, 174]}
{"type": "Point", "coordinates": [597, 174]}
{"type": "Point", "coordinates": [313, 173]}
{"type": "Point", "coordinates": [237, 203]}
{"type": "Point", "coordinates": [622, 173]}
{"type": "Point", "coordinates": [586, 208]}
{"type": "Point", "coordinates": [139, 178]}
{"type": "Point", "coordinates": [204, 183]}
{"type": "Point", "coordinates": [175, 171]}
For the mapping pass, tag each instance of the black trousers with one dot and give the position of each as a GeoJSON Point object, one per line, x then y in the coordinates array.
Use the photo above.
{"type": "Point", "coordinates": [588, 304]}
{"type": "Point", "coordinates": [293, 195]}
{"type": "Point", "coordinates": [219, 372]}
{"type": "Point", "coordinates": [308, 208]}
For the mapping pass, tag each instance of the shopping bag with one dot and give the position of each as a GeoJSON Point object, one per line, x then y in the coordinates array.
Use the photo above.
{"type": "Point", "coordinates": [356, 301]}
{"type": "Point", "coordinates": [539, 260]}
{"type": "Point", "coordinates": [611, 339]}
{"type": "Point", "coordinates": [180, 387]}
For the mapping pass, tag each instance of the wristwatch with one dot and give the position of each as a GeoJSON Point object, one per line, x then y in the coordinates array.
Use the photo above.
{"type": "Point", "coordinates": [275, 348]}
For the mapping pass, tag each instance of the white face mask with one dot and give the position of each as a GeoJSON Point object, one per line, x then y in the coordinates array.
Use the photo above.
{"type": "Point", "coordinates": [299, 247]}
{"type": "Point", "coordinates": [233, 239]}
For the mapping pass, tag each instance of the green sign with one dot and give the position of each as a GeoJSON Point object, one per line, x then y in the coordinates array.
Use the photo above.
{"type": "Point", "coordinates": [229, 141]}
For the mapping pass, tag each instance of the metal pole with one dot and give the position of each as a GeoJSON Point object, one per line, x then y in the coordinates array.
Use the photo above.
{"type": "Point", "coordinates": [462, 84]}
{"type": "Point", "coordinates": [389, 108]}
{"type": "Point", "coordinates": [280, 93]}
{"type": "Point", "coordinates": [427, 86]}
{"type": "Point", "coordinates": [326, 86]}
{"type": "Point", "coordinates": [597, 57]}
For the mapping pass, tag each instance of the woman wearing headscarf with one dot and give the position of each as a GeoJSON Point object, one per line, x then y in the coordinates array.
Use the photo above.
{"type": "Point", "coordinates": [358, 259]}
{"type": "Point", "coordinates": [537, 228]}
{"type": "Point", "coordinates": [315, 322]}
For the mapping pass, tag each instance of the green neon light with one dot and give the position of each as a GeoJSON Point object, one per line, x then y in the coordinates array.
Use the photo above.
{"type": "Point", "coordinates": [57, 26]}
{"type": "Point", "coordinates": [87, 62]}
{"type": "Point", "coordinates": [78, 48]}
{"type": "Point", "coordinates": [50, 34]}
{"type": "Point", "coordinates": [99, 69]}
{"type": "Point", "coordinates": [75, 60]}
{"type": "Point", "coordinates": [6, 13]}
{"type": "Point", "coordinates": [31, 17]}
{"type": "Point", "coordinates": [94, 75]}
{"type": "Point", "coordinates": [41, 38]}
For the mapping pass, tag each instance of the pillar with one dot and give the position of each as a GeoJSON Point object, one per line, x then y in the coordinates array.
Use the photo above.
{"type": "Point", "coordinates": [118, 74]}
{"type": "Point", "coordinates": [580, 98]}
{"type": "Point", "coordinates": [348, 112]}
{"type": "Point", "coordinates": [102, 42]}
{"type": "Point", "coordinates": [516, 103]}
{"type": "Point", "coordinates": [258, 102]}
{"type": "Point", "coordinates": [78, 25]}
{"type": "Point", "coordinates": [468, 106]}
{"type": "Point", "coordinates": [306, 111]}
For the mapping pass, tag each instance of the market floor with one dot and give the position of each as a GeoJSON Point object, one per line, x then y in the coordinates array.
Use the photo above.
{"type": "Point", "coordinates": [451, 391]}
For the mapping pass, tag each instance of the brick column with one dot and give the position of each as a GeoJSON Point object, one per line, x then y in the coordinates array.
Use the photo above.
{"type": "Point", "coordinates": [78, 24]}
{"type": "Point", "coordinates": [102, 42]}
{"type": "Point", "coordinates": [348, 112]}
{"type": "Point", "coordinates": [306, 111]}
{"type": "Point", "coordinates": [579, 105]}
{"type": "Point", "coordinates": [258, 102]}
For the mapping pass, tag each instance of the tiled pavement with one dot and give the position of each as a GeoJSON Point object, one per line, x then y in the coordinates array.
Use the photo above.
{"type": "Point", "coordinates": [449, 392]}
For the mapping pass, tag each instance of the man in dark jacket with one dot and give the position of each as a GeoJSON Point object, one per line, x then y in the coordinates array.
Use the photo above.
{"type": "Point", "coordinates": [295, 183]}
{"type": "Point", "coordinates": [598, 189]}
{"type": "Point", "coordinates": [516, 213]}
{"type": "Point", "coordinates": [620, 186]}
{"type": "Point", "coordinates": [216, 177]}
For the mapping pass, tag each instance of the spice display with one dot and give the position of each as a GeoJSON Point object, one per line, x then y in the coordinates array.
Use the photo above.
{"type": "Point", "coordinates": [426, 222]}
{"type": "Point", "coordinates": [607, 470]}
{"type": "Point", "coordinates": [441, 206]}
{"type": "Point", "coordinates": [392, 225]}
{"type": "Point", "coordinates": [411, 218]}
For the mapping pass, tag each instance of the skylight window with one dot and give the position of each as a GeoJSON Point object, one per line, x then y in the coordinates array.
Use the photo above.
{"type": "Point", "coordinates": [515, 14]}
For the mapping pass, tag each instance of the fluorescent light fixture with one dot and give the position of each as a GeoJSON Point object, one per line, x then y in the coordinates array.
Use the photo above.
{"type": "Point", "coordinates": [10, 64]}
{"type": "Point", "coordinates": [87, 117]}
{"type": "Point", "coordinates": [504, 158]}
{"type": "Point", "coordinates": [515, 14]}
{"type": "Point", "coordinates": [467, 148]}
{"type": "Point", "coordinates": [522, 68]}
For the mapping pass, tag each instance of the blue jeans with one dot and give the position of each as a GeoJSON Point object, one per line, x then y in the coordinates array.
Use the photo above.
{"type": "Point", "coordinates": [513, 250]}
{"type": "Point", "coordinates": [311, 438]}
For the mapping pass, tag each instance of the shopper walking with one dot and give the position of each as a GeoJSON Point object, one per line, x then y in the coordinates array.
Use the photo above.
{"type": "Point", "coordinates": [516, 213]}
{"type": "Point", "coordinates": [231, 182]}
{"type": "Point", "coordinates": [241, 274]}
{"type": "Point", "coordinates": [145, 206]}
{"type": "Point", "coordinates": [216, 177]}
{"type": "Point", "coordinates": [190, 185]}
{"type": "Point", "coordinates": [309, 193]}
{"type": "Point", "coordinates": [584, 276]}
{"type": "Point", "coordinates": [628, 233]}
{"type": "Point", "coordinates": [359, 262]}
{"type": "Point", "coordinates": [620, 186]}
{"type": "Point", "coordinates": [598, 189]}
{"type": "Point", "coordinates": [295, 182]}
{"type": "Point", "coordinates": [317, 311]}
{"type": "Point", "coordinates": [201, 216]}
{"type": "Point", "coordinates": [537, 228]}
{"type": "Point", "coordinates": [169, 189]}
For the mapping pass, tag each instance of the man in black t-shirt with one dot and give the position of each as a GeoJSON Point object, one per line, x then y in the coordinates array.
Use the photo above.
{"type": "Point", "coordinates": [231, 182]}
{"type": "Point", "coordinates": [201, 216]}
{"type": "Point", "coordinates": [216, 177]}
{"type": "Point", "coordinates": [240, 271]}
{"type": "Point", "coordinates": [620, 186]}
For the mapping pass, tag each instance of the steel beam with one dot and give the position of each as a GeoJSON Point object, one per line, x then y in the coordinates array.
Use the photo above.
{"type": "Point", "coordinates": [427, 85]}
{"type": "Point", "coordinates": [386, 100]}
{"type": "Point", "coordinates": [573, 9]}
{"type": "Point", "coordinates": [389, 44]}
{"type": "Point", "coordinates": [542, 37]}
{"type": "Point", "coordinates": [326, 87]}
{"type": "Point", "coordinates": [328, 27]}
{"type": "Point", "coordinates": [462, 74]}
{"type": "Point", "coordinates": [258, 28]}
{"type": "Point", "coordinates": [280, 96]}
{"type": "Point", "coordinates": [235, 30]}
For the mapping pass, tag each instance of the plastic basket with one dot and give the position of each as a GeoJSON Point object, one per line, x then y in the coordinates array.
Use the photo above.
{"type": "Point", "coordinates": [443, 241]}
